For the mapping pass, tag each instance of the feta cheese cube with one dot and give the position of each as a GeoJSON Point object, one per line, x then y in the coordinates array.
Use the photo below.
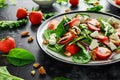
{"type": "Point", "coordinates": [94, 44]}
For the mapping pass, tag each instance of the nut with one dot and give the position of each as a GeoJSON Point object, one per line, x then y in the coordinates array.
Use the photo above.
{"type": "Point", "coordinates": [96, 3]}
{"type": "Point", "coordinates": [42, 71]}
{"type": "Point", "coordinates": [30, 39]}
{"type": "Point", "coordinates": [68, 10]}
{"type": "Point", "coordinates": [33, 72]}
{"type": "Point", "coordinates": [67, 53]}
{"type": "Point", "coordinates": [45, 42]}
{"type": "Point", "coordinates": [25, 33]}
{"type": "Point", "coordinates": [36, 65]}
{"type": "Point", "coordinates": [93, 54]}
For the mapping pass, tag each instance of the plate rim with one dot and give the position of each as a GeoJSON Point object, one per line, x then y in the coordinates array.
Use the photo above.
{"type": "Point", "coordinates": [69, 62]}
{"type": "Point", "coordinates": [111, 2]}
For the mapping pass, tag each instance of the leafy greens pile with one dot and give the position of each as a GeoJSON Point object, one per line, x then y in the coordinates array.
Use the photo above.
{"type": "Point", "coordinates": [5, 75]}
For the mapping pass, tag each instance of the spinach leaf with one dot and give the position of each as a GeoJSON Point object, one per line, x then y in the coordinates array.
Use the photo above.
{"type": "Point", "coordinates": [106, 27]}
{"type": "Point", "coordinates": [5, 75]}
{"type": "Point", "coordinates": [61, 1]}
{"type": "Point", "coordinates": [60, 30]}
{"type": "Point", "coordinates": [85, 31]}
{"type": "Point", "coordinates": [76, 39]}
{"type": "Point", "coordinates": [20, 57]}
{"type": "Point", "coordinates": [83, 56]}
{"type": "Point", "coordinates": [48, 15]}
{"type": "Point", "coordinates": [90, 1]}
{"type": "Point", "coordinates": [95, 8]}
{"type": "Point", "coordinates": [56, 48]}
{"type": "Point", "coordinates": [47, 33]}
{"type": "Point", "coordinates": [61, 78]}
{"type": "Point", "coordinates": [12, 24]}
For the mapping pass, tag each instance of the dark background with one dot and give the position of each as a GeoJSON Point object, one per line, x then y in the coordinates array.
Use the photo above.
{"type": "Point", "coordinates": [53, 67]}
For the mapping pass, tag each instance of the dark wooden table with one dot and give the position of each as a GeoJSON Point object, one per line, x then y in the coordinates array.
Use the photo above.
{"type": "Point", "coordinates": [53, 67]}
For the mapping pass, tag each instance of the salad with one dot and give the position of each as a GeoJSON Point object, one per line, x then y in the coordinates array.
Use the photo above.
{"type": "Point", "coordinates": [84, 38]}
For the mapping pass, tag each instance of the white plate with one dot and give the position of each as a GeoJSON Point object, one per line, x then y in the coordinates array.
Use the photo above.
{"type": "Point", "coordinates": [113, 3]}
{"type": "Point", "coordinates": [60, 57]}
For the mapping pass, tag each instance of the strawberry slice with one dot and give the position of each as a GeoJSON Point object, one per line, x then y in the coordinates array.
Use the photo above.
{"type": "Point", "coordinates": [53, 24]}
{"type": "Point", "coordinates": [72, 49]}
{"type": "Point", "coordinates": [93, 25]}
{"type": "Point", "coordinates": [74, 22]}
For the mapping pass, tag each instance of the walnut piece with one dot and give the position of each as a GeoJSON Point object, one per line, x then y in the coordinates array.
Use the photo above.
{"type": "Point", "coordinates": [24, 34]}
{"type": "Point", "coordinates": [68, 10]}
{"type": "Point", "coordinates": [42, 71]}
{"type": "Point", "coordinates": [36, 65]}
{"type": "Point", "coordinates": [93, 54]}
{"type": "Point", "coordinates": [30, 39]}
{"type": "Point", "coordinates": [45, 42]}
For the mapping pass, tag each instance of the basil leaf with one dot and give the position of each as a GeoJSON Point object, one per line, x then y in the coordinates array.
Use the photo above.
{"type": "Point", "coordinates": [83, 56]}
{"type": "Point", "coordinates": [20, 57]}
{"type": "Point", "coordinates": [61, 78]}
{"type": "Point", "coordinates": [5, 75]}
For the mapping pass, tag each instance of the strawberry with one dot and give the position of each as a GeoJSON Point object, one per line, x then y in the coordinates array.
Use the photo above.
{"type": "Point", "coordinates": [72, 49]}
{"type": "Point", "coordinates": [74, 22]}
{"type": "Point", "coordinates": [74, 2]}
{"type": "Point", "coordinates": [35, 17]}
{"type": "Point", "coordinates": [21, 13]}
{"type": "Point", "coordinates": [7, 44]}
{"type": "Point", "coordinates": [53, 24]}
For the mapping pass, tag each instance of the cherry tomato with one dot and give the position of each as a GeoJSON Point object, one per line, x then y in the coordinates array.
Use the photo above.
{"type": "Point", "coordinates": [74, 22]}
{"type": "Point", "coordinates": [72, 49]}
{"type": "Point", "coordinates": [102, 52]}
{"type": "Point", "coordinates": [117, 2]}
{"type": "Point", "coordinates": [7, 44]}
{"type": "Point", "coordinates": [74, 2]}
{"type": "Point", "coordinates": [21, 13]}
{"type": "Point", "coordinates": [93, 25]}
{"type": "Point", "coordinates": [53, 24]}
{"type": "Point", "coordinates": [66, 38]}
{"type": "Point", "coordinates": [35, 17]}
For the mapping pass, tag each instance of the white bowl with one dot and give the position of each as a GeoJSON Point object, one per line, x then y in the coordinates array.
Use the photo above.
{"type": "Point", "coordinates": [44, 3]}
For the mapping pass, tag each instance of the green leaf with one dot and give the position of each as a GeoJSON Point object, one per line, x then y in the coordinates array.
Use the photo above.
{"type": "Point", "coordinates": [62, 1]}
{"type": "Point", "coordinates": [83, 56]}
{"type": "Point", "coordinates": [12, 24]}
{"type": "Point", "coordinates": [48, 15]}
{"type": "Point", "coordinates": [60, 30]}
{"type": "Point", "coordinates": [106, 27]}
{"type": "Point", "coordinates": [5, 75]}
{"type": "Point", "coordinates": [61, 78]}
{"type": "Point", "coordinates": [56, 48]}
{"type": "Point", "coordinates": [95, 8]}
{"type": "Point", "coordinates": [20, 57]}
{"type": "Point", "coordinates": [47, 33]}
{"type": "Point", "coordinates": [90, 1]}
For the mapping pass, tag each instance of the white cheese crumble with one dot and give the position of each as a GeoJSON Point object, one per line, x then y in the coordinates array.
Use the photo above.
{"type": "Point", "coordinates": [112, 46]}
{"type": "Point", "coordinates": [114, 36]}
{"type": "Point", "coordinates": [94, 44]}
{"type": "Point", "coordinates": [52, 39]}
{"type": "Point", "coordinates": [94, 34]}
